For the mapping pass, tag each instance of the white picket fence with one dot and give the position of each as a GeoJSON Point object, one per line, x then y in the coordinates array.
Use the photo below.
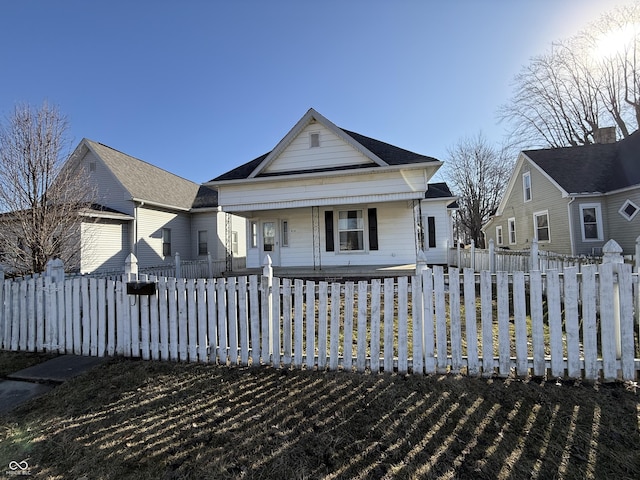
{"type": "Point", "coordinates": [479, 324]}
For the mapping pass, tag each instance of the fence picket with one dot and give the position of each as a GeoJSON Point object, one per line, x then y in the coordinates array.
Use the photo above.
{"type": "Point", "coordinates": [183, 334]}
{"type": "Point", "coordinates": [145, 327]}
{"type": "Point", "coordinates": [627, 362]}
{"type": "Point", "coordinates": [265, 314]}
{"type": "Point", "coordinates": [287, 322]}
{"type": "Point", "coordinates": [403, 325]}
{"type": "Point", "coordinates": [276, 330]}
{"type": "Point", "coordinates": [571, 325]}
{"type": "Point", "coordinates": [334, 327]}
{"type": "Point", "coordinates": [555, 323]}
{"type": "Point", "coordinates": [374, 351]}
{"type": "Point", "coordinates": [486, 318]}
{"type": "Point", "coordinates": [163, 319]}
{"type": "Point", "coordinates": [537, 326]}
{"type": "Point", "coordinates": [201, 286]}
{"type": "Point", "coordinates": [86, 316]}
{"type": "Point", "coordinates": [222, 317]}
{"type": "Point", "coordinates": [323, 303]}
{"type": "Point", "coordinates": [172, 305]}
{"type": "Point", "coordinates": [471, 321]}
{"type": "Point", "coordinates": [607, 323]}
{"type": "Point", "coordinates": [455, 324]}
{"type": "Point", "coordinates": [520, 324]}
{"type": "Point", "coordinates": [31, 315]}
{"type": "Point", "coordinates": [154, 322]}
{"type": "Point", "coordinates": [441, 320]}
{"type": "Point", "coordinates": [232, 320]}
{"type": "Point", "coordinates": [51, 315]}
{"type": "Point", "coordinates": [22, 332]}
{"type": "Point", "coordinates": [347, 349]}
{"type": "Point", "coordinates": [429, 327]}
{"type": "Point", "coordinates": [255, 320]}
{"type": "Point", "coordinates": [243, 320]}
{"type": "Point", "coordinates": [361, 355]}
{"type": "Point", "coordinates": [416, 324]}
{"type": "Point", "coordinates": [504, 343]}
{"type": "Point", "coordinates": [311, 324]}
{"type": "Point", "coordinates": [298, 329]}
{"type": "Point", "coordinates": [388, 325]}
{"type": "Point", "coordinates": [212, 322]}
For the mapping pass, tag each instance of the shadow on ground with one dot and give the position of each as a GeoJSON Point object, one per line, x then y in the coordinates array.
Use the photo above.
{"type": "Point", "coordinates": [135, 419]}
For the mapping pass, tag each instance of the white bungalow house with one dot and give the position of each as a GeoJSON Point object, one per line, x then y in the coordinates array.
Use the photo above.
{"type": "Point", "coordinates": [326, 197]}
{"type": "Point", "coordinates": [147, 211]}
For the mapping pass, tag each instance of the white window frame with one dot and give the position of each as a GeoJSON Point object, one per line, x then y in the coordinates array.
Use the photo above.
{"type": "Point", "coordinates": [624, 207]}
{"type": "Point", "coordinates": [201, 243]}
{"type": "Point", "coordinates": [364, 230]}
{"type": "Point", "coordinates": [499, 237]}
{"type": "Point", "coordinates": [166, 242]}
{"type": "Point", "coordinates": [535, 225]}
{"type": "Point", "coordinates": [253, 234]}
{"type": "Point", "coordinates": [526, 186]}
{"type": "Point", "coordinates": [284, 236]}
{"type": "Point", "coordinates": [598, 211]}
{"type": "Point", "coordinates": [513, 238]}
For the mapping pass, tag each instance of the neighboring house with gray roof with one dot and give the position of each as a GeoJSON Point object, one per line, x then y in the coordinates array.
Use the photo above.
{"type": "Point", "coordinates": [145, 210]}
{"type": "Point", "coordinates": [328, 197]}
{"type": "Point", "coordinates": [573, 199]}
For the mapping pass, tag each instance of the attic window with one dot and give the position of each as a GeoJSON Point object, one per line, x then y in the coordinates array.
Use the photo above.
{"type": "Point", "coordinates": [92, 166]}
{"type": "Point", "coordinates": [314, 140]}
{"type": "Point", "coordinates": [629, 210]}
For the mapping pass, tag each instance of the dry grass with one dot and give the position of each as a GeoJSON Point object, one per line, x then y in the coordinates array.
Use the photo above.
{"type": "Point", "coordinates": [157, 420]}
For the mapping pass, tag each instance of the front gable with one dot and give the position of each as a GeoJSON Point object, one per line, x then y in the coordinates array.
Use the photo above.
{"type": "Point", "coordinates": [315, 143]}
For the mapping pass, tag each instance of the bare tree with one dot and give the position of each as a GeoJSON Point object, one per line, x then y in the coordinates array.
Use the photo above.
{"type": "Point", "coordinates": [41, 196]}
{"type": "Point", "coordinates": [478, 173]}
{"type": "Point", "coordinates": [586, 82]}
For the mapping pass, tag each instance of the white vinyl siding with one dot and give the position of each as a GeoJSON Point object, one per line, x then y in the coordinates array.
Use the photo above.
{"type": "Point", "coordinates": [151, 223]}
{"type": "Point", "coordinates": [105, 246]}
{"type": "Point", "coordinates": [109, 191]}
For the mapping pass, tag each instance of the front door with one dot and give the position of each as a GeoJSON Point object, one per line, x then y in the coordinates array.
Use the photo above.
{"type": "Point", "coordinates": [270, 242]}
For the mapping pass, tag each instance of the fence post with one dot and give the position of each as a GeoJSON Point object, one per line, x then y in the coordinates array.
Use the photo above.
{"type": "Point", "coordinates": [131, 267]}
{"type": "Point", "coordinates": [267, 276]}
{"type": "Point", "coordinates": [178, 266]}
{"type": "Point", "coordinates": [612, 253]}
{"type": "Point", "coordinates": [458, 249]}
{"type": "Point", "coordinates": [421, 263]}
{"type": "Point", "coordinates": [473, 255]}
{"type": "Point", "coordinates": [534, 263]}
{"type": "Point", "coordinates": [55, 270]}
{"type": "Point", "coordinates": [492, 256]}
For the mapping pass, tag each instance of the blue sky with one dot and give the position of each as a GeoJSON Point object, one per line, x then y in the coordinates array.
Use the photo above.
{"type": "Point", "coordinates": [199, 87]}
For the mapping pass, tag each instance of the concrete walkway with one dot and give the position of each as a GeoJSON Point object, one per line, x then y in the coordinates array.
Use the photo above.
{"type": "Point", "coordinates": [37, 380]}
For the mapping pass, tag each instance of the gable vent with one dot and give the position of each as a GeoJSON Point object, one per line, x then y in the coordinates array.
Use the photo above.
{"type": "Point", "coordinates": [314, 140]}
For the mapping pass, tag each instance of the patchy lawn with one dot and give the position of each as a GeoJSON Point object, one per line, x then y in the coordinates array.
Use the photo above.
{"type": "Point", "coordinates": [159, 420]}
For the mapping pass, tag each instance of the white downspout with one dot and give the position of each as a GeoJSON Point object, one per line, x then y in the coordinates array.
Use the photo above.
{"type": "Point", "coordinates": [570, 218]}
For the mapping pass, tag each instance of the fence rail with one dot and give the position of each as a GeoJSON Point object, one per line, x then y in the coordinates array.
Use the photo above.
{"type": "Point", "coordinates": [479, 324]}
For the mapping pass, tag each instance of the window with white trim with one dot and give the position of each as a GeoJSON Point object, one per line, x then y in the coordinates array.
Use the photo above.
{"type": "Point", "coordinates": [285, 233]}
{"type": "Point", "coordinates": [511, 223]}
{"type": "Point", "coordinates": [351, 230]}
{"type": "Point", "coordinates": [166, 242]}
{"type": "Point", "coordinates": [234, 242]}
{"type": "Point", "coordinates": [541, 226]}
{"type": "Point", "coordinates": [629, 210]}
{"type": "Point", "coordinates": [253, 234]}
{"type": "Point", "coordinates": [591, 222]}
{"type": "Point", "coordinates": [314, 140]}
{"type": "Point", "coordinates": [526, 186]}
{"type": "Point", "coordinates": [499, 239]}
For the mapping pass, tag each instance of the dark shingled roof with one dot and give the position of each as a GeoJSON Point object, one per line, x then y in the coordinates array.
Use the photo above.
{"type": "Point", "coordinates": [388, 153]}
{"type": "Point", "coordinates": [438, 190]}
{"type": "Point", "coordinates": [596, 168]}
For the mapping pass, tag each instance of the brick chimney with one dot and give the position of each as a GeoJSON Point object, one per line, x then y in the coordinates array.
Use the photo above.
{"type": "Point", "coordinates": [605, 135]}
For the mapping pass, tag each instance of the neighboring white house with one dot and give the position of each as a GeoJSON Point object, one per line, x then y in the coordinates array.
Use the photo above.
{"type": "Point", "coordinates": [150, 212]}
{"type": "Point", "coordinates": [327, 197]}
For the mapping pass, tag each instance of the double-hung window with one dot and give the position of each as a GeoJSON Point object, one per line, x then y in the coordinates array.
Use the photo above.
{"type": "Point", "coordinates": [166, 242]}
{"type": "Point", "coordinates": [512, 230]}
{"type": "Point", "coordinates": [526, 186]}
{"type": "Point", "coordinates": [203, 247]}
{"type": "Point", "coordinates": [541, 226]}
{"type": "Point", "coordinates": [591, 222]}
{"type": "Point", "coordinates": [351, 230]}
{"type": "Point", "coordinates": [499, 239]}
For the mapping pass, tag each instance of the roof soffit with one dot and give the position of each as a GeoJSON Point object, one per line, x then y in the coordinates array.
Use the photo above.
{"type": "Point", "coordinates": [306, 120]}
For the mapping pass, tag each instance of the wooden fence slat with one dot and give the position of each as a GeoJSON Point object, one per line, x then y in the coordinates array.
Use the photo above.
{"type": "Point", "coordinates": [471, 322]}
{"type": "Point", "coordinates": [607, 322]}
{"type": "Point", "coordinates": [428, 322]}
{"type": "Point", "coordinates": [183, 320]}
{"type": "Point", "coordinates": [504, 342]}
{"type": "Point", "coordinates": [323, 338]}
{"type": "Point", "coordinates": [388, 324]}
{"type": "Point", "coordinates": [334, 327]}
{"type": "Point", "coordinates": [347, 349]}
{"type": "Point", "coordinates": [163, 319]}
{"type": "Point", "coordinates": [154, 322]}
{"type": "Point", "coordinates": [441, 320]}
{"type": "Point", "coordinates": [62, 323]}
{"type": "Point", "coordinates": [86, 316]}
{"type": "Point", "coordinates": [486, 318]}
{"type": "Point", "coordinates": [555, 323]}
{"type": "Point", "coordinates": [571, 324]}
{"type": "Point", "coordinates": [93, 317]}
{"type": "Point", "coordinates": [403, 324]}
{"type": "Point", "coordinates": [537, 326]}
{"type": "Point", "coordinates": [589, 325]}
{"type": "Point", "coordinates": [361, 355]}
{"type": "Point", "coordinates": [22, 332]}
{"type": "Point", "coordinates": [417, 324]}
{"type": "Point", "coordinates": [298, 329]}
{"type": "Point", "coordinates": [243, 319]}
{"type": "Point", "coordinates": [212, 322]}
{"type": "Point", "coordinates": [625, 283]}
{"type": "Point", "coordinates": [311, 324]}
{"type": "Point", "coordinates": [276, 329]}
{"type": "Point", "coordinates": [31, 315]}
{"type": "Point", "coordinates": [265, 314]}
{"type": "Point", "coordinates": [287, 322]}
{"type": "Point", "coordinates": [520, 324]}
{"type": "Point", "coordinates": [51, 315]}
{"type": "Point", "coordinates": [201, 302]}
{"type": "Point", "coordinates": [232, 320]}
{"type": "Point", "coordinates": [222, 317]}
{"type": "Point", "coordinates": [456, 323]}
{"type": "Point", "coordinates": [374, 349]}
{"type": "Point", "coordinates": [255, 320]}
{"type": "Point", "coordinates": [101, 345]}
{"type": "Point", "coordinates": [172, 305]}
{"type": "Point", "coordinates": [111, 317]}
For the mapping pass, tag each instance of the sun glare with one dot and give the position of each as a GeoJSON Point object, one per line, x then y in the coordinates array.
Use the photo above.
{"type": "Point", "coordinates": [616, 41]}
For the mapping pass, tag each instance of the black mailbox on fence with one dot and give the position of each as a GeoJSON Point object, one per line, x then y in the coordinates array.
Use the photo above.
{"type": "Point", "coordinates": [141, 288]}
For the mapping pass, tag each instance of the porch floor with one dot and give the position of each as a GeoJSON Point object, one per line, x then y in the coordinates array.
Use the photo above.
{"type": "Point", "coordinates": [331, 273]}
